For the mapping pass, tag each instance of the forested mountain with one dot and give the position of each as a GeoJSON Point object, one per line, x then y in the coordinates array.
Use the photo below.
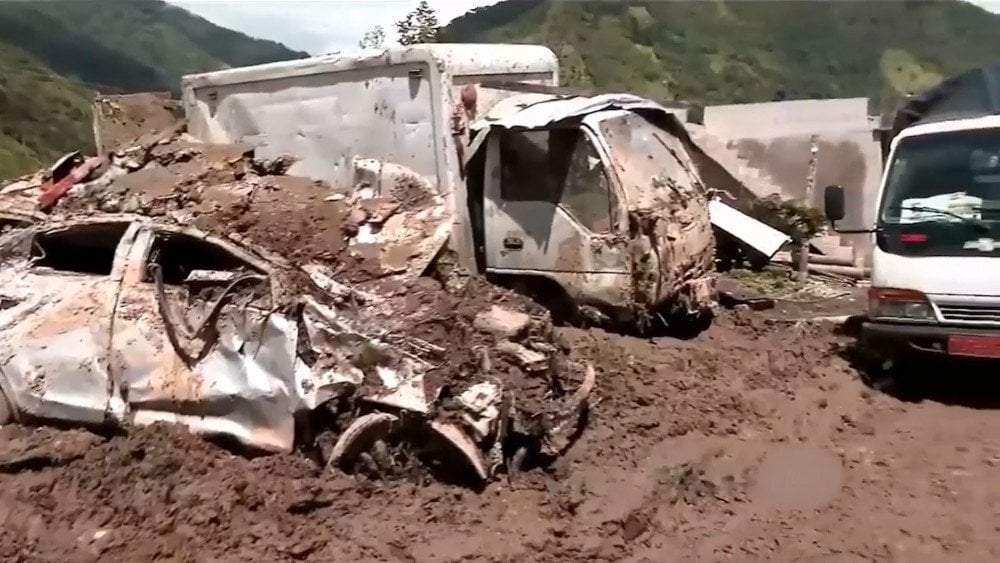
{"type": "Point", "coordinates": [721, 51]}
{"type": "Point", "coordinates": [54, 53]}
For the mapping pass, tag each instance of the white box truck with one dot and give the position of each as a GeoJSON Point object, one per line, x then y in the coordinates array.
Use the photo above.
{"type": "Point", "coordinates": [935, 288]}
{"type": "Point", "coordinates": [593, 198]}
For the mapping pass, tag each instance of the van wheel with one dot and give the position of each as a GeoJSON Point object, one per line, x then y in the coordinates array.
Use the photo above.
{"type": "Point", "coordinates": [900, 377]}
{"type": "Point", "coordinates": [548, 294]}
{"type": "Point", "coordinates": [908, 377]}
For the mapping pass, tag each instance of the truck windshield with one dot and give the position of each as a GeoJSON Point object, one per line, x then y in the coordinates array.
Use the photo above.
{"type": "Point", "coordinates": [644, 153]}
{"type": "Point", "coordinates": [943, 195]}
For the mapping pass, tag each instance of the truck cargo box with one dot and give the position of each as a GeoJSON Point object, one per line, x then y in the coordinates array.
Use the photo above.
{"type": "Point", "coordinates": [392, 105]}
{"type": "Point", "coordinates": [974, 93]}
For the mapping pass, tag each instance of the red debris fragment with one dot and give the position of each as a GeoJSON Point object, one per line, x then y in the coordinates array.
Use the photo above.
{"type": "Point", "coordinates": [52, 192]}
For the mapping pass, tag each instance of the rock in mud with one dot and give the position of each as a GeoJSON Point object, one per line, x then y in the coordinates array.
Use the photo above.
{"type": "Point", "coordinates": [502, 323]}
{"type": "Point", "coordinates": [527, 359]}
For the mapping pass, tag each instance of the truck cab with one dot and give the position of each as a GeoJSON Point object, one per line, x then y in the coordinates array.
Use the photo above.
{"type": "Point", "coordinates": [935, 287]}
{"type": "Point", "coordinates": [600, 196]}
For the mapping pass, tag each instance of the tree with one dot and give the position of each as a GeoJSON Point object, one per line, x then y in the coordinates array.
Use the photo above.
{"type": "Point", "coordinates": [418, 26]}
{"type": "Point", "coordinates": [373, 39]}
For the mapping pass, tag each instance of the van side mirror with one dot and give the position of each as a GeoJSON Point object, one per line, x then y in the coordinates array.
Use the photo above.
{"type": "Point", "coordinates": [833, 203]}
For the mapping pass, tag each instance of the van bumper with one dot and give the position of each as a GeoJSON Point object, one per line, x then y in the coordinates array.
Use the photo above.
{"type": "Point", "coordinates": [900, 339]}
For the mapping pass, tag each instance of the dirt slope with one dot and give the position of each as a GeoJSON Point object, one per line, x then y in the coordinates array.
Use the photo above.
{"type": "Point", "coordinates": [753, 442]}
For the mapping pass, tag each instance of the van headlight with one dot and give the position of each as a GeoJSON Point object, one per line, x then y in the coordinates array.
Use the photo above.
{"type": "Point", "coordinates": [899, 304]}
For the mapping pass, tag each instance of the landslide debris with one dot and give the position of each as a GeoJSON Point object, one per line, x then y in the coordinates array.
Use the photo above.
{"type": "Point", "coordinates": [480, 366]}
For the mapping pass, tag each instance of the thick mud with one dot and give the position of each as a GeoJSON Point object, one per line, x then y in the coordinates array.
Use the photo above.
{"type": "Point", "coordinates": [756, 441]}
{"type": "Point", "coordinates": [121, 119]}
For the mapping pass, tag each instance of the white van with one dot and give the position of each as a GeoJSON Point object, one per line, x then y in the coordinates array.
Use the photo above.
{"type": "Point", "coordinates": [936, 260]}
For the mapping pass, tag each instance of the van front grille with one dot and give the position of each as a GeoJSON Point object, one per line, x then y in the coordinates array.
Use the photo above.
{"type": "Point", "coordinates": [968, 313]}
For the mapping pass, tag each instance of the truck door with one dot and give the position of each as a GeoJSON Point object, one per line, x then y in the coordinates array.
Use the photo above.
{"type": "Point", "coordinates": [551, 209]}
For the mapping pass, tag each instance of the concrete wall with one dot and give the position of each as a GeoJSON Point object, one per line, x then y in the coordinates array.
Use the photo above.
{"type": "Point", "coordinates": [776, 140]}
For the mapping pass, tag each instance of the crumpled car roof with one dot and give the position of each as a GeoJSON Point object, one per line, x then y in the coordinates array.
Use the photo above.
{"type": "Point", "coordinates": [530, 111]}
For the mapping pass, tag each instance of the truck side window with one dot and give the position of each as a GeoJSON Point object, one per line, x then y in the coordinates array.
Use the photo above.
{"type": "Point", "coordinates": [585, 187]}
{"type": "Point", "coordinates": [524, 157]}
{"type": "Point", "coordinates": [558, 166]}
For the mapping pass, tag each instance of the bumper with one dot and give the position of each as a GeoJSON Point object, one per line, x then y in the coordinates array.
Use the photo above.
{"type": "Point", "coordinates": [901, 339]}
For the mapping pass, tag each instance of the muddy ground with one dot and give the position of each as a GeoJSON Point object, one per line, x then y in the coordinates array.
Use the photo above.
{"type": "Point", "coordinates": [756, 441]}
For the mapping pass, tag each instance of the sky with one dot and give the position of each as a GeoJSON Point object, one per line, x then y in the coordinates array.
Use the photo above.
{"type": "Point", "coordinates": [325, 26]}
{"type": "Point", "coordinates": [318, 26]}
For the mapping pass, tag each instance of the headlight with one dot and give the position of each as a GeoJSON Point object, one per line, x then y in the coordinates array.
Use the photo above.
{"type": "Point", "coordinates": [888, 303]}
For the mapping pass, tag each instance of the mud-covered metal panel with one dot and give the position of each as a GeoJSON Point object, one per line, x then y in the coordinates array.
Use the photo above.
{"type": "Point", "coordinates": [246, 392]}
{"type": "Point", "coordinates": [207, 355]}
{"type": "Point", "coordinates": [755, 234]}
{"type": "Point", "coordinates": [548, 204]}
{"type": "Point", "coordinates": [54, 355]}
{"type": "Point", "coordinates": [56, 322]}
{"type": "Point", "coordinates": [326, 119]}
{"type": "Point", "coordinates": [668, 205]}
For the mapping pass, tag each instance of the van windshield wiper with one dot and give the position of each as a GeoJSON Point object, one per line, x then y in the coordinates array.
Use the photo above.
{"type": "Point", "coordinates": [976, 224]}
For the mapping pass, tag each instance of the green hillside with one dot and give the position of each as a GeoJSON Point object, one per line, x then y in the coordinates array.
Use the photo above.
{"type": "Point", "coordinates": [128, 45]}
{"type": "Point", "coordinates": [53, 53]}
{"type": "Point", "coordinates": [719, 51]}
{"type": "Point", "coordinates": [42, 114]}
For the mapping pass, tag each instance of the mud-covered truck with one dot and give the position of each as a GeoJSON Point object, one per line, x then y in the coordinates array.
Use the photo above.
{"type": "Point", "coordinates": [595, 198]}
{"type": "Point", "coordinates": [936, 259]}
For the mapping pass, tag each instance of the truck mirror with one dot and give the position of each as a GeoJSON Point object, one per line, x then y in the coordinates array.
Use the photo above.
{"type": "Point", "coordinates": [833, 203]}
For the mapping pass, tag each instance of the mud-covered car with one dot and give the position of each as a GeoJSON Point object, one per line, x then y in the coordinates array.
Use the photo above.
{"type": "Point", "coordinates": [116, 320]}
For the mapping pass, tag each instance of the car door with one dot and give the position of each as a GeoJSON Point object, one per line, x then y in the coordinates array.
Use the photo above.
{"type": "Point", "coordinates": [552, 209]}
{"type": "Point", "coordinates": [234, 378]}
{"type": "Point", "coordinates": [58, 294]}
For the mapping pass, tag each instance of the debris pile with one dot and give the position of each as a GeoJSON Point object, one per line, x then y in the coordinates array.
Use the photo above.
{"type": "Point", "coordinates": [120, 119]}
{"type": "Point", "coordinates": [390, 217]}
{"type": "Point", "coordinates": [275, 310]}
{"type": "Point", "coordinates": [485, 362]}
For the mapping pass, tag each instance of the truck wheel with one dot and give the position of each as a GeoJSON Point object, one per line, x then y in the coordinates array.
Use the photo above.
{"type": "Point", "coordinates": [908, 378]}
{"type": "Point", "coordinates": [878, 377]}
{"type": "Point", "coordinates": [546, 293]}
{"type": "Point", "coordinates": [899, 376]}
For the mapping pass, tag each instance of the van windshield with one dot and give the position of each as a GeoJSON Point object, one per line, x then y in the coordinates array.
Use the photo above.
{"type": "Point", "coordinates": [943, 194]}
{"type": "Point", "coordinates": [645, 154]}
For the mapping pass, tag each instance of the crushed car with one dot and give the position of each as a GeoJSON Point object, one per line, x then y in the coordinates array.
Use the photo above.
{"type": "Point", "coordinates": [125, 319]}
